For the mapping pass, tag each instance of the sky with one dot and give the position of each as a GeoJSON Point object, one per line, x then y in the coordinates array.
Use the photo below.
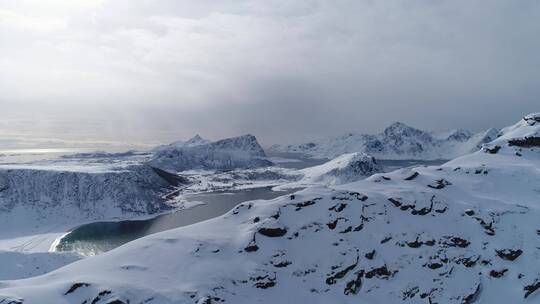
{"type": "Point", "coordinates": [80, 72]}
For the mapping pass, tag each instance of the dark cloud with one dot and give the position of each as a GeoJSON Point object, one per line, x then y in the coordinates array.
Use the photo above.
{"type": "Point", "coordinates": [154, 71]}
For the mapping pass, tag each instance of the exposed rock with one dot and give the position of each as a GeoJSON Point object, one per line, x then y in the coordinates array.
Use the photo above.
{"type": "Point", "coordinates": [527, 142]}
{"type": "Point", "coordinates": [491, 150]}
{"type": "Point", "coordinates": [440, 184]}
{"type": "Point", "coordinates": [412, 176]}
{"type": "Point", "coordinates": [76, 286]}
{"type": "Point", "coordinates": [472, 297]}
{"type": "Point", "coordinates": [529, 289]}
{"type": "Point", "coordinates": [509, 254]}
{"type": "Point", "coordinates": [498, 273]}
{"type": "Point", "coordinates": [272, 232]}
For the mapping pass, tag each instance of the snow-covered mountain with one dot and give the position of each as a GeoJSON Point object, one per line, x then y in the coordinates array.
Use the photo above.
{"type": "Point", "coordinates": [343, 169]}
{"type": "Point", "coordinates": [398, 141]}
{"type": "Point", "coordinates": [84, 192]}
{"type": "Point", "coordinates": [463, 232]}
{"type": "Point", "coordinates": [231, 153]}
{"type": "Point", "coordinates": [194, 141]}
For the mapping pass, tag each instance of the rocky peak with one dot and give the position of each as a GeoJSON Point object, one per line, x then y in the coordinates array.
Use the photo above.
{"type": "Point", "coordinates": [399, 129]}
{"type": "Point", "coordinates": [460, 135]}
{"type": "Point", "coordinates": [247, 143]}
{"type": "Point", "coordinates": [196, 140]}
{"type": "Point", "coordinates": [532, 119]}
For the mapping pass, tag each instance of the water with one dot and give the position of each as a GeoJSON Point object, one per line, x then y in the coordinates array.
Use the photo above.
{"type": "Point", "coordinates": [98, 237]}
{"type": "Point", "coordinates": [16, 156]}
{"type": "Point", "coordinates": [298, 160]}
{"type": "Point", "coordinates": [391, 165]}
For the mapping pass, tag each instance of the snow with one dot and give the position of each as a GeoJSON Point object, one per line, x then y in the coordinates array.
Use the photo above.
{"type": "Point", "coordinates": [18, 265]}
{"type": "Point", "coordinates": [397, 141]}
{"type": "Point", "coordinates": [462, 232]}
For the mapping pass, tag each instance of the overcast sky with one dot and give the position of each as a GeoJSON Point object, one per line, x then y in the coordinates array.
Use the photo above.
{"type": "Point", "coordinates": [146, 71]}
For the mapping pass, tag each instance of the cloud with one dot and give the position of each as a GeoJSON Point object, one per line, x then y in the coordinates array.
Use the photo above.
{"type": "Point", "coordinates": [284, 70]}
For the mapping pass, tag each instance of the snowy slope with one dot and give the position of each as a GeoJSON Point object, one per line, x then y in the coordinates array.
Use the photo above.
{"type": "Point", "coordinates": [464, 232]}
{"type": "Point", "coordinates": [18, 265]}
{"type": "Point", "coordinates": [398, 141]}
{"type": "Point", "coordinates": [237, 152]}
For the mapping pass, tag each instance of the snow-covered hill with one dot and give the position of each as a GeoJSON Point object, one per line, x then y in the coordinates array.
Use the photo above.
{"type": "Point", "coordinates": [231, 153]}
{"type": "Point", "coordinates": [398, 141]}
{"type": "Point", "coordinates": [463, 232]}
{"type": "Point", "coordinates": [343, 169]}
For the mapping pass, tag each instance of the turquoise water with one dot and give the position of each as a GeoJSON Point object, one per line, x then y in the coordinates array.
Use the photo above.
{"type": "Point", "coordinates": [98, 237]}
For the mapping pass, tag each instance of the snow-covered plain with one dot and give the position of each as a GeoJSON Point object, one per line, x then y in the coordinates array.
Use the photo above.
{"type": "Point", "coordinates": [463, 232]}
{"type": "Point", "coordinates": [397, 141]}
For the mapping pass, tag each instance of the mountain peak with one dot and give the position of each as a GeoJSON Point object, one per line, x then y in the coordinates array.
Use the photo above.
{"type": "Point", "coordinates": [195, 141]}
{"type": "Point", "coordinates": [196, 137]}
{"type": "Point", "coordinates": [459, 135]}
{"type": "Point", "coordinates": [402, 130]}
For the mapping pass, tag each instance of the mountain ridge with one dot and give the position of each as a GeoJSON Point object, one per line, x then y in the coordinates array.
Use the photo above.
{"type": "Point", "coordinates": [397, 141]}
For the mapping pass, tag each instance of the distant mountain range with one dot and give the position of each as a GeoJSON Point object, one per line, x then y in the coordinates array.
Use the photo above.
{"type": "Point", "coordinates": [397, 141]}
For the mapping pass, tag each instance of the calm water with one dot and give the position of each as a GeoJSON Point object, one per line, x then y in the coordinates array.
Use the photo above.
{"type": "Point", "coordinates": [15, 156]}
{"type": "Point", "coordinates": [391, 165]}
{"type": "Point", "coordinates": [300, 160]}
{"type": "Point", "coordinates": [99, 237]}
